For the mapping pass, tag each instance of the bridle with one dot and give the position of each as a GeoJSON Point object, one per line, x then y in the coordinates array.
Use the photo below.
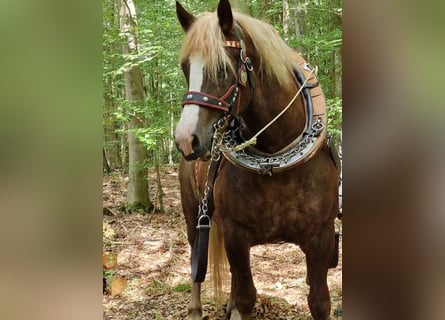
{"type": "Point", "coordinates": [229, 102]}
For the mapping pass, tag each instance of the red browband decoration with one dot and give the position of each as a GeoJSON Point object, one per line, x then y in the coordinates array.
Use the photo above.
{"type": "Point", "coordinates": [232, 44]}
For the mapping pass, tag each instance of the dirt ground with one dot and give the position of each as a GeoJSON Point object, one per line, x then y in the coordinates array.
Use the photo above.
{"type": "Point", "coordinates": [153, 263]}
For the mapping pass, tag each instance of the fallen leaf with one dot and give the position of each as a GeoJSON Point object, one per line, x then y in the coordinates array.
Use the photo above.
{"type": "Point", "coordinates": [117, 286]}
{"type": "Point", "coordinates": [109, 260]}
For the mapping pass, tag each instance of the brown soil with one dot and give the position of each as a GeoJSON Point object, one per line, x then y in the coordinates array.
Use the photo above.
{"type": "Point", "coordinates": [153, 256]}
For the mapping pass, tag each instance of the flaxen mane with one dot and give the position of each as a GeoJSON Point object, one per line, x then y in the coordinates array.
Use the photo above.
{"type": "Point", "coordinates": [205, 37]}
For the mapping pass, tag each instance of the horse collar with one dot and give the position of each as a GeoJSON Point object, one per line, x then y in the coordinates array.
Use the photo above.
{"type": "Point", "coordinates": [297, 152]}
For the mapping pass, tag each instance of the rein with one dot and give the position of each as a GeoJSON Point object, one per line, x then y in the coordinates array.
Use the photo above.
{"type": "Point", "coordinates": [253, 140]}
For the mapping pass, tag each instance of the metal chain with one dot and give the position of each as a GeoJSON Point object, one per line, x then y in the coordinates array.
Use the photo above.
{"type": "Point", "coordinates": [204, 208]}
{"type": "Point", "coordinates": [215, 156]}
{"type": "Point", "coordinates": [219, 126]}
{"type": "Point", "coordinates": [223, 142]}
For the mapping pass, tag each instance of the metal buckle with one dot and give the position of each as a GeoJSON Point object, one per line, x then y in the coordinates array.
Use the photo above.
{"type": "Point", "coordinates": [248, 64]}
{"type": "Point", "coordinates": [201, 224]}
{"type": "Point", "coordinates": [317, 126]}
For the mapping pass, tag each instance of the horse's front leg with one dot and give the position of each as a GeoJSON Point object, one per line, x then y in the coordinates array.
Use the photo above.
{"type": "Point", "coordinates": [319, 251]}
{"type": "Point", "coordinates": [243, 292]}
{"type": "Point", "coordinates": [194, 309]}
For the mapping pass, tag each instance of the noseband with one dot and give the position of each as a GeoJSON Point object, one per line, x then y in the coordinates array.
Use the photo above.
{"type": "Point", "coordinates": [229, 101]}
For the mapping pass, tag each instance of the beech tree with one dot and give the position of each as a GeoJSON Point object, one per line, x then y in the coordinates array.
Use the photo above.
{"type": "Point", "coordinates": [137, 190]}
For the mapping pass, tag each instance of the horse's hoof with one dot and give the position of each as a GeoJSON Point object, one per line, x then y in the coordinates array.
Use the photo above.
{"type": "Point", "coordinates": [235, 315]}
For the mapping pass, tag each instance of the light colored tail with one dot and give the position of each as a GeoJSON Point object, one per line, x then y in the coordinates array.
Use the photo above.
{"type": "Point", "coordinates": [219, 266]}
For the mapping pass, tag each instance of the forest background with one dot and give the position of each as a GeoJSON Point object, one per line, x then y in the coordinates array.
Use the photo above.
{"type": "Point", "coordinates": [143, 83]}
{"type": "Point", "coordinates": [52, 105]}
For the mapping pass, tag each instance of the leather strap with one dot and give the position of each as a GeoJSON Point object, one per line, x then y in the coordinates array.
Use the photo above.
{"type": "Point", "coordinates": [200, 253]}
{"type": "Point", "coordinates": [201, 243]}
{"type": "Point", "coordinates": [223, 103]}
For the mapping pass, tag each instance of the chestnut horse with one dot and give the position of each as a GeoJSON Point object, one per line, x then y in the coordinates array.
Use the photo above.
{"type": "Point", "coordinates": [274, 181]}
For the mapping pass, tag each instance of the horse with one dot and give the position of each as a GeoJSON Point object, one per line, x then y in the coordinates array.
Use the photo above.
{"type": "Point", "coordinates": [256, 163]}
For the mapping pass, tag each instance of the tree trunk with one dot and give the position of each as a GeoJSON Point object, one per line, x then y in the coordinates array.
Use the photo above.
{"type": "Point", "coordinates": [112, 142]}
{"type": "Point", "coordinates": [137, 193]}
{"type": "Point", "coordinates": [300, 24]}
{"type": "Point", "coordinates": [105, 165]}
{"type": "Point", "coordinates": [336, 55]}
{"type": "Point", "coordinates": [159, 192]}
{"type": "Point", "coordinates": [111, 138]}
{"type": "Point", "coordinates": [171, 142]}
{"type": "Point", "coordinates": [286, 15]}
{"type": "Point", "coordinates": [243, 6]}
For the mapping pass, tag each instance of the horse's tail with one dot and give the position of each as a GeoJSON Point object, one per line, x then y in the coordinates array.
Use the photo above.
{"type": "Point", "coordinates": [218, 264]}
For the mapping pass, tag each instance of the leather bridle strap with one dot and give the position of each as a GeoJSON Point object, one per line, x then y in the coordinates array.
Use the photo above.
{"type": "Point", "coordinates": [224, 103]}
{"type": "Point", "coordinates": [201, 243]}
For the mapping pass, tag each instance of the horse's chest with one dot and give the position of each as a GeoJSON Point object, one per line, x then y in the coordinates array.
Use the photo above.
{"type": "Point", "coordinates": [273, 207]}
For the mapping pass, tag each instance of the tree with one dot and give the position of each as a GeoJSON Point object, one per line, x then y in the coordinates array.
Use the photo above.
{"type": "Point", "coordinates": [300, 23]}
{"type": "Point", "coordinates": [112, 139]}
{"type": "Point", "coordinates": [286, 17]}
{"type": "Point", "coordinates": [336, 54]}
{"type": "Point", "coordinates": [137, 191]}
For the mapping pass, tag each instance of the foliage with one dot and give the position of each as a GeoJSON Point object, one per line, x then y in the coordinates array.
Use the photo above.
{"type": "Point", "coordinates": [334, 107]}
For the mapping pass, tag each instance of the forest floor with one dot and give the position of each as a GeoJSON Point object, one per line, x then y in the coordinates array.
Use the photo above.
{"type": "Point", "coordinates": [151, 278]}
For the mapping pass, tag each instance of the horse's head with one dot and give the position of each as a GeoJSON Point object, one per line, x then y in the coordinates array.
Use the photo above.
{"type": "Point", "coordinates": [216, 76]}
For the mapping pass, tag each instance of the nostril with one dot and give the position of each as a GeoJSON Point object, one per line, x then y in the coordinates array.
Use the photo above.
{"type": "Point", "coordinates": [195, 143]}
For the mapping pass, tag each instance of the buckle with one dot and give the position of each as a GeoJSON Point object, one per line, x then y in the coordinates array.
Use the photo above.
{"type": "Point", "coordinates": [203, 222]}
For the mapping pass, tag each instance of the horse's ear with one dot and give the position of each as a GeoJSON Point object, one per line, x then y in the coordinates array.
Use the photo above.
{"type": "Point", "coordinates": [186, 19]}
{"type": "Point", "coordinates": [225, 16]}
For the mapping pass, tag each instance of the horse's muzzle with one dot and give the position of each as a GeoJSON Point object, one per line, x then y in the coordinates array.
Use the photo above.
{"type": "Point", "coordinates": [191, 148]}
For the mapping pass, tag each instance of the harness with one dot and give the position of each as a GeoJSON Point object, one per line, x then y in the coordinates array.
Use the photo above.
{"type": "Point", "coordinates": [303, 148]}
{"type": "Point", "coordinates": [228, 141]}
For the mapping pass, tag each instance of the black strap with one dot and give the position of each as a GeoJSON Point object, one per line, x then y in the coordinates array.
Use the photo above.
{"type": "Point", "coordinates": [200, 253]}
{"type": "Point", "coordinates": [307, 97]}
{"type": "Point", "coordinates": [201, 243]}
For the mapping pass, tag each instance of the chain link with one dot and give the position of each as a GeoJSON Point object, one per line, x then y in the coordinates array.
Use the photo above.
{"type": "Point", "coordinates": [215, 156]}
{"type": "Point", "coordinates": [204, 207]}
{"type": "Point", "coordinates": [217, 137]}
{"type": "Point", "coordinates": [223, 142]}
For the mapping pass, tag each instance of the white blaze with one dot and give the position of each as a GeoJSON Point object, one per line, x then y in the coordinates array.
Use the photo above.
{"type": "Point", "coordinates": [190, 112]}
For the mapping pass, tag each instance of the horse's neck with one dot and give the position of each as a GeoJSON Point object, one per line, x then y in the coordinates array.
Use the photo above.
{"type": "Point", "coordinates": [268, 102]}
